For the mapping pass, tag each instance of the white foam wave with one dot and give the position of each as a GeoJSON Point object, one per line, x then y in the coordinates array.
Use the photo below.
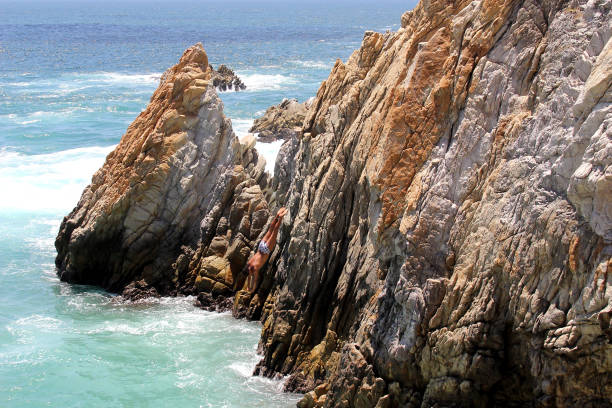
{"type": "Point", "coordinates": [78, 81]}
{"type": "Point", "coordinates": [47, 181]}
{"type": "Point", "coordinates": [116, 78]}
{"type": "Point", "coordinates": [72, 84]}
{"type": "Point", "coordinates": [20, 84]}
{"type": "Point", "coordinates": [263, 385]}
{"type": "Point", "coordinates": [28, 122]}
{"type": "Point", "coordinates": [243, 368]}
{"type": "Point", "coordinates": [269, 151]}
{"type": "Point", "coordinates": [42, 245]}
{"type": "Point", "coordinates": [35, 117]}
{"type": "Point", "coordinates": [153, 320]}
{"type": "Point", "coordinates": [265, 82]}
{"type": "Point", "coordinates": [312, 64]}
{"type": "Point", "coordinates": [131, 329]}
{"type": "Point", "coordinates": [62, 112]}
{"type": "Point", "coordinates": [241, 126]}
{"type": "Point", "coordinates": [28, 328]}
{"type": "Point", "coordinates": [38, 321]}
{"type": "Point", "coordinates": [188, 379]}
{"type": "Point", "coordinates": [186, 301]}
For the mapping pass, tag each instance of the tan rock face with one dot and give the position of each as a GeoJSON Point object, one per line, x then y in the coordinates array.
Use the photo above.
{"type": "Point", "coordinates": [450, 215]}
{"type": "Point", "coordinates": [140, 218]}
{"type": "Point", "coordinates": [282, 121]}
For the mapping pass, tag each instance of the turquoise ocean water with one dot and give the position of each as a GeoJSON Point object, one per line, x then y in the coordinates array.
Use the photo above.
{"type": "Point", "coordinates": [73, 75]}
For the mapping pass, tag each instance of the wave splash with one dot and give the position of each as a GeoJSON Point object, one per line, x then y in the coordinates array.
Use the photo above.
{"type": "Point", "coordinates": [70, 80]}
{"type": "Point", "coordinates": [47, 181]}
{"type": "Point", "coordinates": [266, 82]}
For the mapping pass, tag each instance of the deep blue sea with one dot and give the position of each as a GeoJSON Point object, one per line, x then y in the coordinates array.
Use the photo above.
{"type": "Point", "coordinates": [73, 75]}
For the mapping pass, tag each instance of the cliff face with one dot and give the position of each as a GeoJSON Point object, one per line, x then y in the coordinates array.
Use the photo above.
{"type": "Point", "coordinates": [450, 226]}
{"type": "Point", "coordinates": [449, 240]}
{"type": "Point", "coordinates": [142, 221]}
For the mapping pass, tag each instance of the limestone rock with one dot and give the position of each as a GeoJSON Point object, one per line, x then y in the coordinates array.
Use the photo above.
{"type": "Point", "coordinates": [230, 232]}
{"type": "Point", "coordinates": [285, 167]}
{"type": "Point", "coordinates": [154, 188]}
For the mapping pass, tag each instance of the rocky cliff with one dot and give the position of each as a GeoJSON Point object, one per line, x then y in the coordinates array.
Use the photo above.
{"type": "Point", "coordinates": [175, 192]}
{"type": "Point", "coordinates": [449, 241]}
{"type": "Point", "coordinates": [450, 231]}
{"type": "Point", "coordinates": [282, 121]}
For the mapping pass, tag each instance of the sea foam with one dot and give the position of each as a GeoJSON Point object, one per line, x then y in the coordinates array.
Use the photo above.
{"type": "Point", "coordinates": [51, 181]}
{"type": "Point", "coordinates": [241, 127]}
{"type": "Point", "coordinates": [269, 152]}
{"type": "Point", "coordinates": [266, 82]}
{"type": "Point", "coordinates": [313, 64]}
{"type": "Point", "coordinates": [75, 81]}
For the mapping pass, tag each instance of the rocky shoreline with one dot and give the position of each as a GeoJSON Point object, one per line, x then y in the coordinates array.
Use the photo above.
{"type": "Point", "coordinates": [449, 237]}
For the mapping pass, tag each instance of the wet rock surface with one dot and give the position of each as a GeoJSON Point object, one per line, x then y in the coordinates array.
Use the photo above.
{"type": "Point", "coordinates": [217, 304]}
{"type": "Point", "coordinates": [139, 291]}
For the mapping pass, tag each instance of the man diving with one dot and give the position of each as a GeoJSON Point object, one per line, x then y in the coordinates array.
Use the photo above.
{"type": "Point", "coordinates": [264, 249]}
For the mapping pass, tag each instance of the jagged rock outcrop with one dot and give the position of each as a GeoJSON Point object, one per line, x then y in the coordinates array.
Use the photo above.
{"type": "Point", "coordinates": [178, 193]}
{"type": "Point", "coordinates": [450, 233]}
{"type": "Point", "coordinates": [282, 121]}
{"type": "Point", "coordinates": [449, 240]}
{"type": "Point", "coordinates": [223, 78]}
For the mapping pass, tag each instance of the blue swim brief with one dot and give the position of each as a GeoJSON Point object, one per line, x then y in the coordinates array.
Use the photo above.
{"type": "Point", "coordinates": [263, 247]}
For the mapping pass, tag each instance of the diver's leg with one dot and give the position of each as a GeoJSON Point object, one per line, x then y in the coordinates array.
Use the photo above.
{"type": "Point", "coordinates": [256, 276]}
{"type": "Point", "coordinates": [272, 241]}
{"type": "Point", "coordinates": [275, 224]}
{"type": "Point", "coordinates": [268, 234]}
